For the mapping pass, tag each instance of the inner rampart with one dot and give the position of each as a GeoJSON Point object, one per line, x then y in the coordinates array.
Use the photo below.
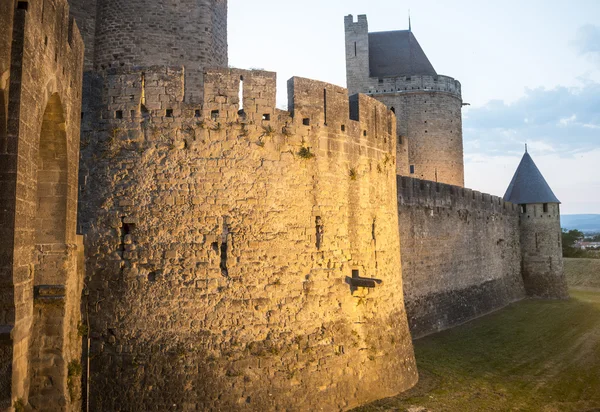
{"type": "Point", "coordinates": [241, 257]}
{"type": "Point", "coordinates": [461, 255]}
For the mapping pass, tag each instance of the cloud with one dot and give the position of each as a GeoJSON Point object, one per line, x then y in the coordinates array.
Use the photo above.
{"type": "Point", "coordinates": [562, 120]}
{"type": "Point", "coordinates": [588, 39]}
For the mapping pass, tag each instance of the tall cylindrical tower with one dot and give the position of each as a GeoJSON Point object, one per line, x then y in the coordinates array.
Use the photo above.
{"type": "Point", "coordinates": [541, 243]}
{"type": "Point", "coordinates": [429, 111]}
{"type": "Point", "coordinates": [392, 67]}
{"type": "Point", "coordinates": [189, 33]}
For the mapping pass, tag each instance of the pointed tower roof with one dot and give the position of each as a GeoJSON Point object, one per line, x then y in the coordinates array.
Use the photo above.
{"type": "Point", "coordinates": [528, 185]}
{"type": "Point", "coordinates": [397, 53]}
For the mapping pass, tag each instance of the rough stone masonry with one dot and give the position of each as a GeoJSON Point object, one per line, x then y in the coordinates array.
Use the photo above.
{"type": "Point", "coordinates": [237, 256]}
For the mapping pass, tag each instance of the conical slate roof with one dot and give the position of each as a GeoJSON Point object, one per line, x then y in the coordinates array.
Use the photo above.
{"type": "Point", "coordinates": [528, 185]}
{"type": "Point", "coordinates": [397, 53]}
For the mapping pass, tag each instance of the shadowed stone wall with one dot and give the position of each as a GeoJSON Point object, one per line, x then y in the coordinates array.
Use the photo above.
{"type": "Point", "coordinates": [39, 153]}
{"type": "Point", "coordinates": [461, 255]}
{"type": "Point", "coordinates": [541, 239]}
{"type": "Point", "coordinates": [223, 239]}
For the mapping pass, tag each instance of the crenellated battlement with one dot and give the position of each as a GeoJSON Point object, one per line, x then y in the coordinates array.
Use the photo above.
{"type": "Point", "coordinates": [361, 25]}
{"type": "Point", "coordinates": [414, 84]}
{"type": "Point", "coordinates": [435, 195]}
{"type": "Point", "coordinates": [59, 34]}
{"type": "Point", "coordinates": [234, 96]}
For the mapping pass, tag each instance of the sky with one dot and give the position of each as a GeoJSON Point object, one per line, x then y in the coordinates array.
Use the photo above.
{"type": "Point", "coordinates": [530, 71]}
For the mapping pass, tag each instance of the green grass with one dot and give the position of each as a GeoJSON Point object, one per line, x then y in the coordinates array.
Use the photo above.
{"type": "Point", "coordinates": [534, 355]}
{"type": "Point", "coordinates": [583, 273]}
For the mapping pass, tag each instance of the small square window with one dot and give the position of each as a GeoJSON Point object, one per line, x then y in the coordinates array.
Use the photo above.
{"type": "Point", "coordinates": [169, 112]}
{"type": "Point", "coordinates": [266, 116]}
{"type": "Point", "coordinates": [355, 273]}
{"type": "Point", "coordinates": [196, 113]}
{"type": "Point", "coordinates": [119, 114]}
{"type": "Point", "coordinates": [214, 114]}
{"type": "Point", "coordinates": [306, 121]}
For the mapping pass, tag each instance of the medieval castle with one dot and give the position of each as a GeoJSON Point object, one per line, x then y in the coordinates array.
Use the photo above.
{"type": "Point", "coordinates": [173, 241]}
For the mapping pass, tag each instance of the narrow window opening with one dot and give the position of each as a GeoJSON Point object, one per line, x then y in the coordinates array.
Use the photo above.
{"type": "Point", "coordinates": [364, 133]}
{"type": "Point", "coordinates": [119, 114]}
{"type": "Point", "coordinates": [537, 244]}
{"type": "Point", "coordinates": [343, 128]}
{"type": "Point", "coordinates": [224, 239]}
{"type": "Point", "coordinates": [399, 139]}
{"type": "Point", "coordinates": [523, 208]}
{"type": "Point", "coordinates": [82, 114]}
{"type": "Point", "coordinates": [196, 113]}
{"type": "Point", "coordinates": [306, 121]}
{"type": "Point", "coordinates": [214, 114]}
{"type": "Point", "coordinates": [355, 49]}
{"type": "Point", "coordinates": [22, 5]}
{"type": "Point", "coordinates": [545, 207]}
{"type": "Point", "coordinates": [412, 169]}
{"type": "Point", "coordinates": [126, 229]}
{"type": "Point", "coordinates": [266, 116]}
{"type": "Point", "coordinates": [319, 232]}
{"type": "Point", "coordinates": [132, 114]}
{"type": "Point", "coordinates": [241, 98]}
{"type": "Point", "coordinates": [355, 273]}
{"type": "Point", "coordinates": [46, 41]}
{"type": "Point", "coordinates": [169, 112]}
{"type": "Point", "coordinates": [373, 227]}
{"type": "Point", "coordinates": [325, 105]}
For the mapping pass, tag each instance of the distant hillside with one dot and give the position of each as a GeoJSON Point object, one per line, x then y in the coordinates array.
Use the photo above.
{"type": "Point", "coordinates": [585, 223]}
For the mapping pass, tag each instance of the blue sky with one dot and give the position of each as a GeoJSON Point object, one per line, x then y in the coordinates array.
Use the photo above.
{"type": "Point", "coordinates": [530, 70]}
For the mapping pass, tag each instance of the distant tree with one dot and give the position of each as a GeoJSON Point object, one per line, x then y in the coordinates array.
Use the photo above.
{"type": "Point", "coordinates": [569, 238]}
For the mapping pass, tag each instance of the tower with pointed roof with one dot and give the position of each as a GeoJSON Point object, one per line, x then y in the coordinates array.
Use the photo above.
{"type": "Point", "coordinates": [392, 67]}
{"type": "Point", "coordinates": [540, 232]}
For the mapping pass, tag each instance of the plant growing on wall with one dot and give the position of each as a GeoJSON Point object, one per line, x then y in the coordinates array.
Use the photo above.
{"type": "Point", "coordinates": [305, 153]}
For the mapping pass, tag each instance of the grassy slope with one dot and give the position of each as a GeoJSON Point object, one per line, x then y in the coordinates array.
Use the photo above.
{"type": "Point", "coordinates": [583, 272]}
{"type": "Point", "coordinates": [532, 356]}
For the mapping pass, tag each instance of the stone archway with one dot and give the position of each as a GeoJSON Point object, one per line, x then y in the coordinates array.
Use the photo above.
{"type": "Point", "coordinates": [52, 261]}
{"type": "Point", "coordinates": [51, 215]}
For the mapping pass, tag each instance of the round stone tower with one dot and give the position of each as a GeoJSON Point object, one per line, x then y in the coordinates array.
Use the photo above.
{"type": "Point", "coordinates": [189, 33]}
{"type": "Point", "coordinates": [541, 244]}
{"type": "Point", "coordinates": [392, 67]}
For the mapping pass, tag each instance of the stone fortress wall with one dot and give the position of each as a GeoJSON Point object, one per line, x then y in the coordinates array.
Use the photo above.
{"type": "Point", "coordinates": [41, 64]}
{"type": "Point", "coordinates": [461, 254]}
{"type": "Point", "coordinates": [233, 247]}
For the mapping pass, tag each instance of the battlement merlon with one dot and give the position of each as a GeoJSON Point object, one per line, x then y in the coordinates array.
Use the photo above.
{"type": "Point", "coordinates": [330, 106]}
{"type": "Point", "coordinates": [360, 26]}
{"type": "Point", "coordinates": [417, 192]}
{"type": "Point", "coordinates": [68, 42]}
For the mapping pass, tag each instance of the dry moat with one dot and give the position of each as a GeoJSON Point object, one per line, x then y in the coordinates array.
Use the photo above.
{"type": "Point", "coordinates": [532, 356]}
